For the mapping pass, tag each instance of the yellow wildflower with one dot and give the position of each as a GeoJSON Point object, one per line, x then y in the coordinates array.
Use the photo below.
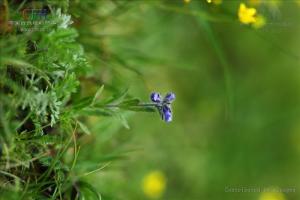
{"type": "Point", "coordinates": [154, 184]}
{"type": "Point", "coordinates": [217, 2]}
{"type": "Point", "coordinates": [271, 196]}
{"type": "Point", "coordinates": [186, 1]}
{"type": "Point", "coordinates": [246, 15]}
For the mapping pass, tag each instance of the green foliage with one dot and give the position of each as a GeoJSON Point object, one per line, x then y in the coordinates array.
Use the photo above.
{"type": "Point", "coordinates": [44, 107]}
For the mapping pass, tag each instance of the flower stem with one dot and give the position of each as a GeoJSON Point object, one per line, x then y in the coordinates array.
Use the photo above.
{"type": "Point", "coordinates": [138, 105]}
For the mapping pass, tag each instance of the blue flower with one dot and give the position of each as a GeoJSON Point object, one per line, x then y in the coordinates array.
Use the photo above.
{"type": "Point", "coordinates": [169, 97]}
{"type": "Point", "coordinates": [167, 113]}
{"type": "Point", "coordinates": [155, 97]}
{"type": "Point", "coordinates": [163, 106]}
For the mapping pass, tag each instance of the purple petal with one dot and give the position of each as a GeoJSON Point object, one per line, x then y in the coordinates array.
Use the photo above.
{"type": "Point", "coordinates": [155, 97]}
{"type": "Point", "coordinates": [167, 113]}
{"type": "Point", "coordinates": [170, 97]}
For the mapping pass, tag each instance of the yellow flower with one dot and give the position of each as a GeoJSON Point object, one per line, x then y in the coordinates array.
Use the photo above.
{"type": "Point", "coordinates": [271, 196]}
{"type": "Point", "coordinates": [246, 15]}
{"type": "Point", "coordinates": [154, 184]}
{"type": "Point", "coordinates": [186, 1]}
{"type": "Point", "coordinates": [217, 2]}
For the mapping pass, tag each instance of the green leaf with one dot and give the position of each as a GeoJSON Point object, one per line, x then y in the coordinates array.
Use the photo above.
{"type": "Point", "coordinates": [96, 111]}
{"type": "Point", "coordinates": [122, 120]}
{"type": "Point", "coordinates": [118, 98]}
{"type": "Point", "coordinates": [131, 102]}
{"type": "Point", "coordinates": [87, 191]}
{"type": "Point", "coordinates": [141, 109]}
{"type": "Point", "coordinates": [98, 93]}
{"type": "Point", "coordinates": [84, 128]}
{"type": "Point", "coordinates": [83, 103]}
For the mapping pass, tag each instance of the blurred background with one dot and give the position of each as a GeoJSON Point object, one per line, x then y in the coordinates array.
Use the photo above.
{"type": "Point", "coordinates": [235, 69]}
{"type": "Point", "coordinates": [236, 113]}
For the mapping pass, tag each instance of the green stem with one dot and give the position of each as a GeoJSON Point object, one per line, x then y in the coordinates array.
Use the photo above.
{"type": "Point", "coordinates": [138, 105]}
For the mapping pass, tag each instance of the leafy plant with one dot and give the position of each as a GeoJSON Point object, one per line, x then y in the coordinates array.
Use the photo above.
{"type": "Point", "coordinates": [43, 105]}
